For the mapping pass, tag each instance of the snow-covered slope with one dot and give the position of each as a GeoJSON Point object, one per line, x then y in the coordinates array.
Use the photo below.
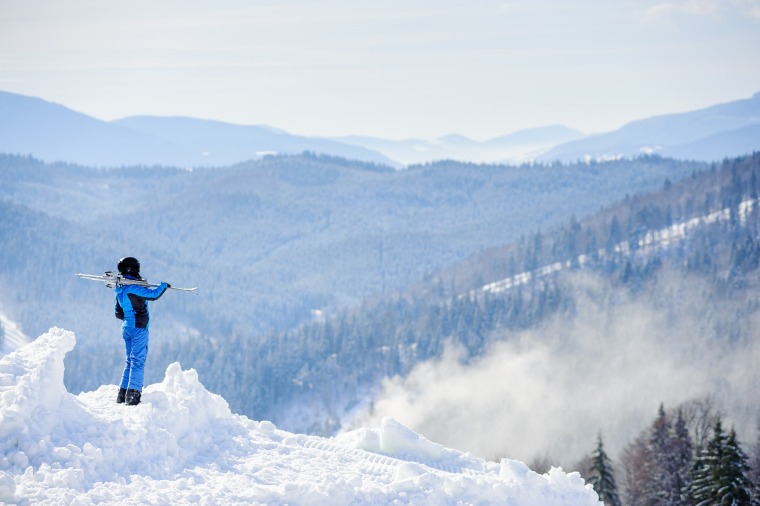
{"type": "Point", "coordinates": [651, 242]}
{"type": "Point", "coordinates": [182, 445]}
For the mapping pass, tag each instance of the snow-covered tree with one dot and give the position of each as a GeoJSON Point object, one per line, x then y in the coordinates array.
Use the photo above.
{"type": "Point", "coordinates": [734, 484]}
{"type": "Point", "coordinates": [660, 491]}
{"type": "Point", "coordinates": [602, 476]}
{"type": "Point", "coordinates": [754, 473]}
{"type": "Point", "coordinates": [681, 458]}
{"type": "Point", "coordinates": [720, 473]}
{"type": "Point", "coordinates": [657, 463]}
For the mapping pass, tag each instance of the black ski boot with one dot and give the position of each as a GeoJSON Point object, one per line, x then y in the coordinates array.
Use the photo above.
{"type": "Point", "coordinates": [133, 397]}
{"type": "Point", "coordinates": [121, 395]}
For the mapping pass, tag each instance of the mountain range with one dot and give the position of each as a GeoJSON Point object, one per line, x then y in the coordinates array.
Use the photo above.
{"type": "Point", "coordinates": [710, 134]}
{"type": "Point", "coordinates": [52, 132]}
{"type": "Point", "coordinates": [517, 147]}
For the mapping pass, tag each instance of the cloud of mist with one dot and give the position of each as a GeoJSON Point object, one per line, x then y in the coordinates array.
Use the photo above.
{"type": "Point", "coordinates": [547, 392]}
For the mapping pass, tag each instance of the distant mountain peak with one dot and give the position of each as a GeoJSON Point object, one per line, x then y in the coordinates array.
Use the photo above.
{"type": "Point", "coordinates": [52, 132]}
{"type": "Point", "coordinates": [455, 138]}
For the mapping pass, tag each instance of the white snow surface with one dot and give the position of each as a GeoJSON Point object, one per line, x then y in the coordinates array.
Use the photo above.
{"type": "Point", "coordinates": [182, 445]}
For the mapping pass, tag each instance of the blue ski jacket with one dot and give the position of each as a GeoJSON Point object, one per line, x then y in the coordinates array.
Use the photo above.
{"type": "Point", "coordinates": [132, 303]}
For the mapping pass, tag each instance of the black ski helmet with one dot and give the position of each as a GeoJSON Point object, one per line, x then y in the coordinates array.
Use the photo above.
{"type": "Point", "coordinates": [129, 266]}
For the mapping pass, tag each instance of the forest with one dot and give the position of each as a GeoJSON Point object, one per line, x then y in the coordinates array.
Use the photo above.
{"type": "Point", "coordinates": [685, 457]}
{"type": "Point", "coordinates": [307, 378]}
{"type": "Point", "coordinates": [677, 236]}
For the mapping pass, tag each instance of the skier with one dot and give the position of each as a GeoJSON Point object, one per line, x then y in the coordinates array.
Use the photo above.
{"type": "Point", "coordinates": [132, 307]}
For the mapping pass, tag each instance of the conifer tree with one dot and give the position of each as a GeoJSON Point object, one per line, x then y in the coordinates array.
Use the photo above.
{"type": "Point", "coordinates": [754, 474]}
{"type": "Point", "coordinates": [602, 476]}
{"type": "Point", "coordinates": [719, 476]}
{"type": "Point", "coordinates": [734, 486]}
{"type": "Point", "coordinates": [662, 461]}
{"type": "Point", "coordinates": [660, 465]}
{"type": "Point", "coordinates": [682, 455]}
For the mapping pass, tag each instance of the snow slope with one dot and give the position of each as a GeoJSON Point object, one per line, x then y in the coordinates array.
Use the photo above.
{"type": "Point", "coordinates": [652, 242]}
{"type": "Point", "coordinates": [182, 445]}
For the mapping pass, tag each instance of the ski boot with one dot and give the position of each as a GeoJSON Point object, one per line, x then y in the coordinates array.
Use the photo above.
{"type": "Point", "coordinates": [132, 397]}
{"type": "Point", "coordinates": [121, 395]}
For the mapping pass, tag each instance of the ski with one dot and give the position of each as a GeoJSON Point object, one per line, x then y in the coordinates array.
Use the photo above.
{"type": "Point", "coordinates": [112, 280]}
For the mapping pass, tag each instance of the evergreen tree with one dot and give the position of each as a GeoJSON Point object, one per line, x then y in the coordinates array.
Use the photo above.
{"type": "Point", "coordinates": [754, 474]}
{"type": "Point", "coordinates": [702, 488]}
{"type": "Point", "coordinates": [719, 476]}
{"type": "Point", "coordinates": [734, 484]}
{"type": "Point", "coordinates": [660, 491]}
{"type": "Point", "coordinates": [682, 455]}
{"type": "Point", "coordinates": [602, 476]}
{"type": "Point", "coordinates": [666, 461]}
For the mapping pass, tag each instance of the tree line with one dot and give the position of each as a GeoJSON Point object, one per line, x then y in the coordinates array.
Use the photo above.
{"type": "Point", "coordinates": [684, 458]}
{"type": "Point", "coordinates": [320, 367]}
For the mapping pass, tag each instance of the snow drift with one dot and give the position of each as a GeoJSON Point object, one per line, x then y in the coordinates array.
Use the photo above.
{"type": "Point", "coordinates": [182, 445]}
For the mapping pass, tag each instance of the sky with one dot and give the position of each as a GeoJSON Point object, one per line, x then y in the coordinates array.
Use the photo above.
{"type": "Point", "coordinates": [394, 69]}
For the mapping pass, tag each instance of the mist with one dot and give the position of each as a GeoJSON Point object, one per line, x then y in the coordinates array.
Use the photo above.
{"type": "Point", "coordinates": [546, 393]}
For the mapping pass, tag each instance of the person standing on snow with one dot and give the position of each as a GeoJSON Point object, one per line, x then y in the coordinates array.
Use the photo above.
{"type": "Point", "coordinates": [132, 307]}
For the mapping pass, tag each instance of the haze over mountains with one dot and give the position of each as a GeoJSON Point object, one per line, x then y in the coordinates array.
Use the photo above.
{"type": "Point", "coordinates": [274, 240]}
{"type": "Point", "coordinates": [52, 132]}
{"type": "Point", "coordinates": [710, 134]}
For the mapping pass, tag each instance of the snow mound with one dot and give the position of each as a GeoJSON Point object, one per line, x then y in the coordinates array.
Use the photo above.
{"type": "Point", "coordinates": [182, 445]}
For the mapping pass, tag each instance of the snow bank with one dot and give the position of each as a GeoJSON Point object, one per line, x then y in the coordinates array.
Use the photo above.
{"type": "Point", "coordinates": [182, 445]}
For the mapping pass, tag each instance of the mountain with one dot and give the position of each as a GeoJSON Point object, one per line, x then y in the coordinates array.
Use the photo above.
{"type": "Point", "coordinates": [217, 144]}
{"type": "Point", "coordinates": [660, 284]}
{"type": "Point", "coordinates": [710, 134]}
{"type": "Point", "coordinates": [518, 147]}
{"type": "Point", "coordinates": [306, 232]}
{"type": "Point", "coordinates": [183, 445]}
{"type": "Point", "coordinates": [52, 132]}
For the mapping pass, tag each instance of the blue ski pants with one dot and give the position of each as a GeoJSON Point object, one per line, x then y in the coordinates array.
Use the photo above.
{"type": "Point", "coordinates": [136, 343]}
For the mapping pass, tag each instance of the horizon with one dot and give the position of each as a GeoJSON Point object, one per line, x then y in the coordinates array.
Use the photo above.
{"type": "Point", "coordinates": [390, 71]}
{"type": "Point", "coordinates": [349, 135]}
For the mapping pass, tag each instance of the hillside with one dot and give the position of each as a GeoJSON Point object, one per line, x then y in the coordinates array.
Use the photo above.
{"type": "Point", "coordinates": [271, 240]}
{"type": "Point", "coordinates": [710, 134]}
{"type": "Point", "coordinates": [54, 133]}
{"type": "Point", "coordinates": [663, 285]}
{"type": "Point", "coordinates": [183, 445]}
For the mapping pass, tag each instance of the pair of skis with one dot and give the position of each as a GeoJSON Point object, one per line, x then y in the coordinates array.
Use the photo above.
{"type": "Point", "coordinates": [112, 280]}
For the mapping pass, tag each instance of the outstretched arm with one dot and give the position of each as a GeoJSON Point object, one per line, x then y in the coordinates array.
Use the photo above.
{"type": "Point", "coordinates": [149, 293]}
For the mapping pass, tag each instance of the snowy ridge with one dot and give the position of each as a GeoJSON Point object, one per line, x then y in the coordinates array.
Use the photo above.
{"type": "Point", "coordinates": [14, 337]}
{"type": "Point", "coordinates": [650, 243]}
{"type": "Point", "coordinates": [182, 445]}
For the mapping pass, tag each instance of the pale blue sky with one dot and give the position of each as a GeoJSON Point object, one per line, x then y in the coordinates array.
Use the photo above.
{"type": "Point", "coordinates": [391, 68]}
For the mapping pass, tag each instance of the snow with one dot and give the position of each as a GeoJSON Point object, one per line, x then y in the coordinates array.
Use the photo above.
{"type": "Point", "coordinates": [183, 445]}
{"type": "Point", "coordinates": [652, 242]}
